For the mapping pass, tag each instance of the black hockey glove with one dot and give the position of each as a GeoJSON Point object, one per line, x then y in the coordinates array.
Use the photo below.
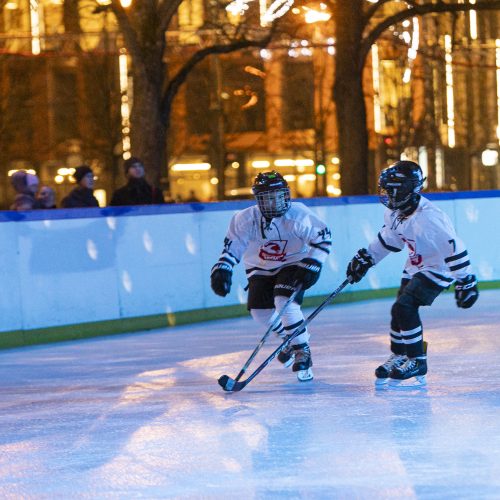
{"type": "Point", "coordinates": [220, 278]}
{"type": "Point", "coordinates": [308, 273]}
{"type": "Point", "coordinates": [466, 292]}
{"type": "Point", "coordinates": [359, 265]}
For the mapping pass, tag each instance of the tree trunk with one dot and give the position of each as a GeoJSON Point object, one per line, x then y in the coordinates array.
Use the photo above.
{"type": "Point", "coordinates": [71, 17]}
{"type": "Point", "coordinates": [148, 134]}
{"type": "Point", "coordinates": [349, 98]}
{"type": "Point", "coordinates": [145, 41]}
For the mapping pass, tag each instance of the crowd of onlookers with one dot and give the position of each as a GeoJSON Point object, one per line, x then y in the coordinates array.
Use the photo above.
{"type": "Point", "coordinates": [137, 190]}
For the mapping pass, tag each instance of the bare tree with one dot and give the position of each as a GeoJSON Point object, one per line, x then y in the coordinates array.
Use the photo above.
{"type": "Point", "coordinates": [21, 88]}
{"type": "Point", "coordinates": [358, 26]}
{"type": "Point", "coordinates": [144, 27]}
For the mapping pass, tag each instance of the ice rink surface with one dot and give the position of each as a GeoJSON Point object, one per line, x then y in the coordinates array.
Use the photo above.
{"type": "Point", "coordinates": [141, 415]}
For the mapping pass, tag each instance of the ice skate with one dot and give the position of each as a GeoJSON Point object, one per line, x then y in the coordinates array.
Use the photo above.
{"type": "Point", "coordinates": [303, 362]}
{"type": "Point", "coordinates": [286, 356]}
{"type": "Point", "coordinates": [410, 374]}
{"type": "Point", "coordinates": [383, 372]}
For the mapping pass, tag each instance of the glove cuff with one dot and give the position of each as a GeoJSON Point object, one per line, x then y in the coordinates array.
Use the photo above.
{"type": "Point", "coordinates": [222, 266]}
{"type": "Point", "coordinates": [365, 257]}
{"type": "Point", "coordinates": [466, 283]}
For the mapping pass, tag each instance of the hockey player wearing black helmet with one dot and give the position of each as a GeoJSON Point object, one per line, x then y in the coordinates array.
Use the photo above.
{"type": "Point", "coordinates": [272, 194]}
{"type": "Point", "coordinates": [437, 258]}
{"type": "Point", "coordinates": [399, 186]}
{"type": "Point", "coordinates": [283, 246]}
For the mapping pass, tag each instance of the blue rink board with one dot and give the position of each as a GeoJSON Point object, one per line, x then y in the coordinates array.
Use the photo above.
{"type": "Point", "coordinates": [176, 208]}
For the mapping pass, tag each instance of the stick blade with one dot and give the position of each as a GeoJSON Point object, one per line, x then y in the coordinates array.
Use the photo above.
{"type": "Point", "coordinates": [229, 384]}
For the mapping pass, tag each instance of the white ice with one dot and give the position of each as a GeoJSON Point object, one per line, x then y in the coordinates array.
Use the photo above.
{"type": "Point", "coordinates": [141, 415]}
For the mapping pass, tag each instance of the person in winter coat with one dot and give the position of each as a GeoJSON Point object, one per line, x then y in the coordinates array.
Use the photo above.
{"type": "Point", "coordinates": [83, 194]}
{"type": "Point", "coordinates": [25, 185]}
{"type": "Point", "coordinates": [46, 197]}
{"type": "Point", "coordinates": [137, 191]}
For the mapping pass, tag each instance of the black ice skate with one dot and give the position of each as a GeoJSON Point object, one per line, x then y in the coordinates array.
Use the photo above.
{"type": "Point", "coordinates": [286, 356]}
{"type": "Point", "coordinates": [410, 374]}
{"type": "Point", "coordinates": [303, 362]}
{"type": "Point", "coordinates": [383, 372]}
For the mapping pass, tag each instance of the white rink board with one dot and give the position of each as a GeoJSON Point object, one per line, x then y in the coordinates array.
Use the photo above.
{"type": "Point", "coordinates": [75, 266]}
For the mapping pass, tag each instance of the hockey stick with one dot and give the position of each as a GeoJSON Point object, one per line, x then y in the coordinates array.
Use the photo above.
{"type": "Point", "coordinates": [269, 330]}
{"type": "Point", "coordinates": [232, 385]}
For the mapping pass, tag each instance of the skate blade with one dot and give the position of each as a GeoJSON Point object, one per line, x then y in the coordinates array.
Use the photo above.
{"type": "Point", "coordinates": [411, 383]}
{"type": "Point", "coordinates": [289, 362]}
{"type": "Point", "coordinates": [305, 375]}
{"type": "Point", "coordinates": [381, 382]}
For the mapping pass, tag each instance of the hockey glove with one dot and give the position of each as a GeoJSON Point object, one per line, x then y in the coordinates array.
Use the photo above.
{"type": "Point", "coordinates": [359, 265]}
{"type": "Point", "coordinates": [308, 273]}
{"type": "Point", "coordinates": [220, 278]}
{"type": "Point", "coordinates": [466, 292]}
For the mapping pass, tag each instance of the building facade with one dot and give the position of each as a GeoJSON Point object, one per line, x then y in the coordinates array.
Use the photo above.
{"type": "Point", "coordinates": [431, 92]}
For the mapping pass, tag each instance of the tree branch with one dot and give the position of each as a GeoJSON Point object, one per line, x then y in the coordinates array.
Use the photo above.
{"type": "Point", "coordinates": [372, 10]}
{"type": "Point", "coordinates": [181, 76]}
{"type": "Point", "coordinates": [129, 35]}
{"type": "Point", "coordinates": [419, 10]}
{"type": "Point", "coordinates": [166, 11]}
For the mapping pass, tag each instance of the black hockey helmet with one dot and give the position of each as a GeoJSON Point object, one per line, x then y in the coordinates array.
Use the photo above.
{"type": "Point", "coordinates": [399, 186]}
{"type": "Point", "coordinates": [272, 193]}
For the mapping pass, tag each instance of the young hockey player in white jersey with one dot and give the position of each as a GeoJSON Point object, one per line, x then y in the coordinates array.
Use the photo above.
{"type": "Point", "coordinates": [437, 258]}
{"type": "Point", "coordinates": [283, 246]}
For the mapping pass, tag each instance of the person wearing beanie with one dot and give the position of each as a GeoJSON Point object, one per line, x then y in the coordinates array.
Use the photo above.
{"type": "Point", "coordinates": [83, 194]}
{"type": "Point", "coordinates": [25, 186]}
{"type": "Point", "coordinates": [137, 191]}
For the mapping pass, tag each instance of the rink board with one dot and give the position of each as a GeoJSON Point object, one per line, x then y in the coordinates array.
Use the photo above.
{"type": "Point", "coordinates": [86, 272]}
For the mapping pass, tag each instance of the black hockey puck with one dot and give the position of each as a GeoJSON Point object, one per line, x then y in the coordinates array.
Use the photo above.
{"type": "Point", "coordinates": [226, 383]}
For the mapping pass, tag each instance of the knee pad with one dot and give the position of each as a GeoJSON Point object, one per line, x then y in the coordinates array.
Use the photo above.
{"type": "Point", "coordinates": [263, 316]}
{"type": "Point", "coordinates": [293, 313]}
{"type": "Point", "coordinates": [405, 312]}
{"type": "Point", "coordinates": [292, 318]}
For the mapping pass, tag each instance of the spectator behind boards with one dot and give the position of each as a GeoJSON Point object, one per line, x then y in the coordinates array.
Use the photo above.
{"type": "Point", "coordinates": [46, 197]}
{"type": "Point", "coordinates": [137, 191]}
{"type": "Point", "coordinates": [83, 194]}
{"type": "Point", "coordinates": [25, 186]}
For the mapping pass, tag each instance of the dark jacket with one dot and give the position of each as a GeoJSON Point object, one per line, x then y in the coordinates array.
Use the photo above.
{"type": "Point", "coordinates": [25, 201]}
{"type": "Point", "coordinates": [80, 197]}
{"type": "Point", "coordinates": [137, 192]}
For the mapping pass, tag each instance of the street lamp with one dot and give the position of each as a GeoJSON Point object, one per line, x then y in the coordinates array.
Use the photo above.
{"type": "Point", "coordinates": [489, 157]}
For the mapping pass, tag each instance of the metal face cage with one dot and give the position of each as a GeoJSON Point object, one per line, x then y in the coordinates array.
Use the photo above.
{"type": "Point", "coordinates": [274, 203]}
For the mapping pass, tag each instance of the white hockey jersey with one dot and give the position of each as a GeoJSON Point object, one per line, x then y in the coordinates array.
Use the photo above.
{"type": "Point", "coordinates": [433, 246]}
{"type": "Point", "coordinates": [268, 247]}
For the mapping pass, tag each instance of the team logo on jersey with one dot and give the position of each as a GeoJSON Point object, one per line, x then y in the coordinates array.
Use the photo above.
{"type": "Point", "coordinates": [415, 258]}
{"type": "Point", "coordinates": [273, 250]}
